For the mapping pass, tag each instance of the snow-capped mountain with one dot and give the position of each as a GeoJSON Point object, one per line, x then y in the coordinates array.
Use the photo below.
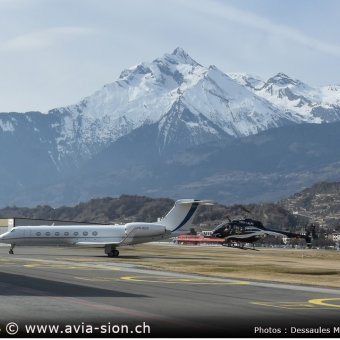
{"type": "Point", "coordinates": [175, 92]}
{"type": "Point", "coordinates": [190, 103]}
{"type": "Point", "coordinates": [311, 104]}
{"type": "Point", "coordinates": [152, 113]}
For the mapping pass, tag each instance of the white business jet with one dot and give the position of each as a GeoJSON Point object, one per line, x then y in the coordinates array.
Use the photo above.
{"type": "Point", "coordinates": [107, 236]}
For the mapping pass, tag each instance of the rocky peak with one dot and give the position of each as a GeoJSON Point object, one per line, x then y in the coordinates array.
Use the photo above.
{"type": "Point", "coordinates": [179, 56]}
{"type": "Point", "coordinates": [281, 79]}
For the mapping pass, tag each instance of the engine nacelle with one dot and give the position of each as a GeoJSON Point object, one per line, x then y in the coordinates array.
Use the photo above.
{"type": "Point", "coordinates": [144, 229]}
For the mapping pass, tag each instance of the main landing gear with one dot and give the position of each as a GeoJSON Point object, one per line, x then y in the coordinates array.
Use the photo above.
{"type": "Point", "coordinates": [11, 252]}
{"type": "Point", "coordinates": [111, 251]}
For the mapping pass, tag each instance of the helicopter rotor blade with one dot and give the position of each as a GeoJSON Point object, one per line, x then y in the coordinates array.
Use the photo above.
{"type": "Point", "coordinates": [245, 209]}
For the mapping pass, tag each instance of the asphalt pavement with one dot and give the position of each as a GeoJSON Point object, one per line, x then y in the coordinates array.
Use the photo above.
{"type": "Point", "coordinates": [81, 288]}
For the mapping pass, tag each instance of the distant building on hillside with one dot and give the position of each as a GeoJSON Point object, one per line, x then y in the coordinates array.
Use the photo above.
{"type": "Point", "coordinates": [336, 237]}
{"type": "Point", "coordinates": [6, 224]}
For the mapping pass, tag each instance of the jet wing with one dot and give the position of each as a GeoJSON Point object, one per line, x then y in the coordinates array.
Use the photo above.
{"type": "Point", "coordinates": [99, 244]}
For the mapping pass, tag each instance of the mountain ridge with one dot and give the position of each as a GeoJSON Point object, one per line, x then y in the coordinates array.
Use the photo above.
{"type": "Point", "coordinates": [170, 105]}
{"type": "Point", "coordinates": [318, 204]}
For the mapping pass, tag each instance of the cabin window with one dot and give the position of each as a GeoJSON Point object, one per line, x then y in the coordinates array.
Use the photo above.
{"type": "Point", "coordinates": [66, 233]}
{"type": "Point", "coordinates": [76, 233]}
{"type": "Point", "coordinates": [94, 233]}
{"type": "Point", "coordinates": [85, 233]}
{"type": "Point", "coordinates": [38, 233]}
{"type": "Point", "coordinates": [48, 234]}
{"type": "Point", "coordinates": [57, 233]}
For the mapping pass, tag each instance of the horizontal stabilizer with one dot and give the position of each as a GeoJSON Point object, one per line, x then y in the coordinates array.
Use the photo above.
{"type": "Point", "coordinates": [191, 201]}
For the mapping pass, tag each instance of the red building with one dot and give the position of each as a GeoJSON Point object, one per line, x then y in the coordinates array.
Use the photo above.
{"type": "Point", "coordinates": [198, 239]}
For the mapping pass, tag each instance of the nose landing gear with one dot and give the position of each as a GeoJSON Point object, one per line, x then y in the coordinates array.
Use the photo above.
{"type": "Point", "coordinates": [11, 252]}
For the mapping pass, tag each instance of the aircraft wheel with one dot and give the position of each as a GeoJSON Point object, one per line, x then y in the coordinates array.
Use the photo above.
{"type": "Point", "coordinates": [113, 253]}
{"type": "Point", "coordinates": [11, 252]}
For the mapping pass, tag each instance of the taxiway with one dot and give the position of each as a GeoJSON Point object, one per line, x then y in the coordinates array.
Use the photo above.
{"type": "Point", "coordinates": [59, 285]}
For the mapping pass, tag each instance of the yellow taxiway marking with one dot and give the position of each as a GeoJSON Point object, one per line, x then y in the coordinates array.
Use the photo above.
{"type": "Point", "coordinates": [37, 263]}
{"type": "Point", "coordinates": [54, 266]}
{"type": "Point", "coordinates": [94, 279]}
{"type": "Point", "coordinates": [285, 305]}
{"type": "Point", "coordinates": [6, 263]}
{"type": "Point", "coordinates": [171, 279]}
{"type": "Point", "coordinates": [70, 266]}
{"type": "Point", "coordinates": [323, 303]}
{"type": "Point", "coordinates": [160, 279]}
{"type": "Point", "coordinates": [310, 304]}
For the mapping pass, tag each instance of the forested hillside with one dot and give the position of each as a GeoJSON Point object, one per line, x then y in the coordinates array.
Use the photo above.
{"type": "Point", "coordinates": [140, 208]}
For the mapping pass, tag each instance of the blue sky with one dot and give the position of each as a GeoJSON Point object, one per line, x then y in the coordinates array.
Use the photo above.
{"type": "Point", "coordinates": [55, 52]}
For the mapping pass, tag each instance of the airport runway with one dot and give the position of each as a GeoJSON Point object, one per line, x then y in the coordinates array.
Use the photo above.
{"type": "Point", "coordinates": [79, 286]}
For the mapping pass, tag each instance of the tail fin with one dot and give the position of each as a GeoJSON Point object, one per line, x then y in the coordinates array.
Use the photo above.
{"type": "Point", "coordinates": [182, 213]}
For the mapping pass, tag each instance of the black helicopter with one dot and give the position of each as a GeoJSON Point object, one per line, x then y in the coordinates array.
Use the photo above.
{"type": "Point", "coordinates": [248, 230]}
